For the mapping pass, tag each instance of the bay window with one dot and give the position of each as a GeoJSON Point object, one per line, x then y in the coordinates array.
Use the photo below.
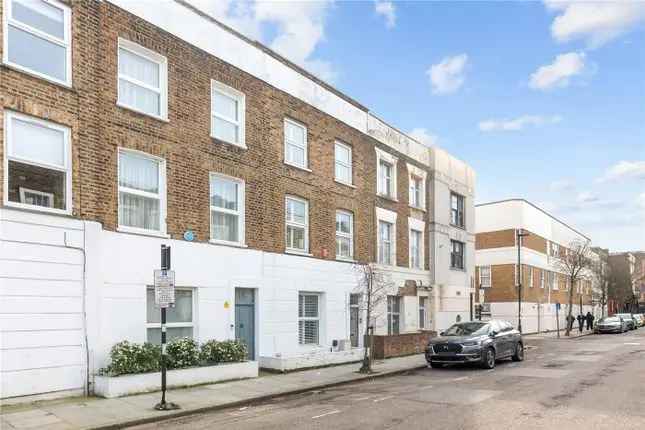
{"type": "Point", "coordinates": [227, 209]}
{"type": "Point", "coordinates": [142, 81]}
{"type": "Point", "coordinates": [142, 190]}
{"type": "Point", "coordinates": [37, 164]}
{"type": "Point", "coordinates": [37, 38]}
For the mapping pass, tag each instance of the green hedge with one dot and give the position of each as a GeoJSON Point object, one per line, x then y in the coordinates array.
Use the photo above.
{"type": "Point", "coordinates": [129, 358]}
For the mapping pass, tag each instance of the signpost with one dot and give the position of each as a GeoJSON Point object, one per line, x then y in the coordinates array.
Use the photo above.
{"type": "Point", "coordinates": [557, 318]}
{"type": "Point", "coordinates": [164, 281]}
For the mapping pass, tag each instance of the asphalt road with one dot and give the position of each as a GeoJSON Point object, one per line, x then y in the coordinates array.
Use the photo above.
{"type": "Point", "coordinates": [594, 382]}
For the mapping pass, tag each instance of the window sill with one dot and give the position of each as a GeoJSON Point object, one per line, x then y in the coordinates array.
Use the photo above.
{"type": "Point", "coordinates": [298, 167]}
{"type": "Point", "coordinates": [419, 208]}
{"type": "Point", "coordinates": [346, 260]}
{"type": "Point", "coordinates": [226, 142]}
{"type": "Point", "coordinates": [142, 232]}
{"type": "Point", "coordinates": [457, 269]}
{"type": "Point", "coordinates": [140, 112]}
{"type": "Point", "coordinates": [296, 252]}
{"type": "Point", "coordinates": [38, 209]}
{"type": "Point", "coordinates": [347, 184]}
{"type": "Point", "coordinates": [387, 197]}
{"type": "Point", "coordinates": [20, 69]}
{"type": "Point", "coordinates": [225, 243]}
{"type": "Point", "coordinates": [460, 227]}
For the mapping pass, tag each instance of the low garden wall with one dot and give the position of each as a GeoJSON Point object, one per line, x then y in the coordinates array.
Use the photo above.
{"type": "Point", "coordinates": [398, 345]}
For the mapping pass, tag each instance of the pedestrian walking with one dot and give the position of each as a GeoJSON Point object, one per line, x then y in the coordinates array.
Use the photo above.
{"type": "Point", "coordinates": [581, 322]}
{"type": "Point", "coordinates": [570, 320]}
{"type": "Point", "coordinates": [589, 319]}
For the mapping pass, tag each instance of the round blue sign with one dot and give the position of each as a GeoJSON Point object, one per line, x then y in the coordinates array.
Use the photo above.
{"type": "Point", "coordinates": [189, 235]}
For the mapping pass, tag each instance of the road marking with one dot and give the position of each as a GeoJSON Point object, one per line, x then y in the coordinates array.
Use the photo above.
{"type": "Point", "coordinates": [463, 378]}
{"type": "Point", "coordinates": [427, 387]}
{"type": "Point", "coordinates": [326, 414]}
{"type": "Point", "coordinates": [382, 398]}
{"type": "Point", "coordinates": [632, 343]}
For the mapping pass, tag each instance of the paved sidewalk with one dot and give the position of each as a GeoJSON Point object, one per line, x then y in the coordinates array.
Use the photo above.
{"type": "Point", "coordinates": [98, 413]}
{"type": "Point", "coordinates": [554, 334]}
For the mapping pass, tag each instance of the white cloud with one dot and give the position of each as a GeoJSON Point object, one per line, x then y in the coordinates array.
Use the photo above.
{"type": "Point", "coordinates": [586, 197]}
{"type": "Point", "coordinates": [624, 170]}
{"type": "Point", "coordinates": [448, 76]}
{"type": "Point", "coordinates": [519, 123]}
{"type": "Point", "coordinates": [558, 73]}
{"type": "Point", "coordinates": [593, 21]}
{"type": "Point", "coordinates": [423, 136]}
{"type": "Point", "coordinates": [297, 28]}
{"type": "Point", "coordinates": [387, 9]}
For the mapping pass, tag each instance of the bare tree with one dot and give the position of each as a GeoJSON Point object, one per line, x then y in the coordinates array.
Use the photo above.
{"type": "Point", "coordinates": [574, 261]}
{"type": "Point", "coordinates": [602, 272]}
{"type": "Point", "coordinates": [373, 287]}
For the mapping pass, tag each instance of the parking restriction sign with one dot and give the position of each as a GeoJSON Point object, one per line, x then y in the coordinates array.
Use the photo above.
{"type": "Point", "coordinates": [164, 288]}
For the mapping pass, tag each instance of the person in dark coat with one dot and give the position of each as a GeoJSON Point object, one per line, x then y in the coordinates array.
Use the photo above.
{"type": "Point", "coordinates": [570, 321]}
{"type": "Point", "coordinates": [589, 319]}
{"type": "Point", "coordinates": [581, 322]}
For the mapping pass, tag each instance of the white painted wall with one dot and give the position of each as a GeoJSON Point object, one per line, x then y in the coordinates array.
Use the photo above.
{"type": "Point", "coordinates": [538, 317]}
{"type": "Point", "coordinates": [41, 304]}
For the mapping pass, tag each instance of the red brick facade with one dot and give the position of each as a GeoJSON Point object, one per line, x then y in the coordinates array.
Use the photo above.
{"type": "Point", "coordinates": [99, 128]}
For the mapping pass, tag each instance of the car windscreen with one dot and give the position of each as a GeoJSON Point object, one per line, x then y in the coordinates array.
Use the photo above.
{"type": "Point", "coordinates": [610, 320]}
{"type": "Point", "coordinates": [467, 329]}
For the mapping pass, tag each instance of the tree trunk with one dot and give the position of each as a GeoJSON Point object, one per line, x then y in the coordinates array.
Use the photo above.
{"type": "Point", "coordinates": [366, 365]}
{"type": "Point", "coordinates": [570, 306]}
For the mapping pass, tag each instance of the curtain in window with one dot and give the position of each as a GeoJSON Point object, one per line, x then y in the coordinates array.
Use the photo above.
{"type": "Point", "coordinates": [139, 173]}
{"type": "Point", "coordinates": [145, 71]}
{"type": "Point", "coordinates": [224, 226]}
{"type": "Point", "coordinates": [224, 194]}
{"type": "Point", "coordinates": [137, 211]}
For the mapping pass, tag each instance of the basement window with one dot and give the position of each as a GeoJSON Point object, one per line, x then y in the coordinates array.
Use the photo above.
{"type": "Point", "coordinates": [308, 319]}
{"type": "Point", "coordinates": [38, 164]}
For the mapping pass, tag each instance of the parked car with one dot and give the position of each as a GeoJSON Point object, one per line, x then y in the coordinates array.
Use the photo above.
{"type": "Point", "coordinates": [640, 318]}
{"type": "Point", "coordinates": [613, 324]}
{"type": "Point", "coordinates": [631, 322]}
{"type": "Point", "coordinates": [476, 342]}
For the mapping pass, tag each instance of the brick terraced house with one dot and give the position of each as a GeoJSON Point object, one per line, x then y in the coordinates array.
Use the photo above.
{"type": "Point", "coordinates": [543, 283]}
{"type": "Point", "coordinates": [125, 126]}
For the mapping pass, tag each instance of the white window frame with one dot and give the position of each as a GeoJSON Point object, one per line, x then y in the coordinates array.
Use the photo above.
{"type": "Point", "coordinates": [23, 191]}
{"type": "Point", "coordinates": [241, 212]}
{"type": "Point", "coordinates": [161, 196]}
{"type": "Point", "coordinates": [149, 55]}
{"type": "Point", "coordinates": [240, 123]}
{"type": "Point", "coordinates": [384, 215]}
{"type": "Point", "coordinates": [192, 324]}
{"type": "Point", "coordinates": [304, 146]}
{"type": "Point", "coordinates": [66, 167]}
{"type": "Point", "coordinates": [344, 164]}
{"type": "Point", "coordinates": [419, 226]}
{"type": "Point", "coordinates": [296, 224]}
{"type": "Point", "coordinates": [490, 277]}
{"type": "Point", "coordinates": [390, 314]}
{"type": "Point", "coordinates": [304, 318]}
{"type": "Point", "coordinates": [392, 161]}
{"type": "Point", "coordinates": [66, 42]}
{"type": "Point", "coordinates": [542, 278]}
{"type": "Point", "coordinates": [423, 309]}
{"type": "Point", "coordinates": [530, 276]}
{"type": "Point", "coordinates": [420, 175]}
{"type": "Point", "coordinates": [349, 235]}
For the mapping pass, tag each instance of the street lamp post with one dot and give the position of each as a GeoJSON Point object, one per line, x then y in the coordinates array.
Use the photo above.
{"type": "Point", "coordinates": [519, 235]}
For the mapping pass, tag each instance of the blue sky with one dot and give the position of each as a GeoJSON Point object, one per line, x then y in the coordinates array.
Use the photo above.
{"type": "Point", "coordinates": [546, 100]}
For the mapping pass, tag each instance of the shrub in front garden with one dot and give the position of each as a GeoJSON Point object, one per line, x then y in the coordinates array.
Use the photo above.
{"type": "Point", "coordinates": [226, 351]}
{"type": "Point", "coordinates": [182, 352]}
{"type": "Point", "coordinates": [128, 358]}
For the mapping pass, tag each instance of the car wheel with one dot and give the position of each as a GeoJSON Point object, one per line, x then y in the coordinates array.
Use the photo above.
{"type": "Point", "coordinates": [488, 359]}
{"type": "Point", "coordinates": [436, 365]}
{"type": "Point", "coordinates": [519, 352]}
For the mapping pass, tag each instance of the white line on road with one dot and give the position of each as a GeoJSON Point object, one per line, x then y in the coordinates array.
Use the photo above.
{"type": "Point", "coordinates": [382, 398]}
{"type": "Point", "coordinates": [362, 398]}
{"type": "Point", "coordinates": [326, 414]}
{"type": "Point", "coordinates": [463, 378]}
{"type": "Point", "coordinates": [632, 343]}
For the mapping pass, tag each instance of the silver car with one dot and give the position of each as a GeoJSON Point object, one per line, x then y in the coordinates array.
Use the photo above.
{"type": "Point", "coordinates": [629, 318]}
{"type": "Point", "coordinates": [613, 324]}
{"type": "Point", "coordinates": [477, 342]}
